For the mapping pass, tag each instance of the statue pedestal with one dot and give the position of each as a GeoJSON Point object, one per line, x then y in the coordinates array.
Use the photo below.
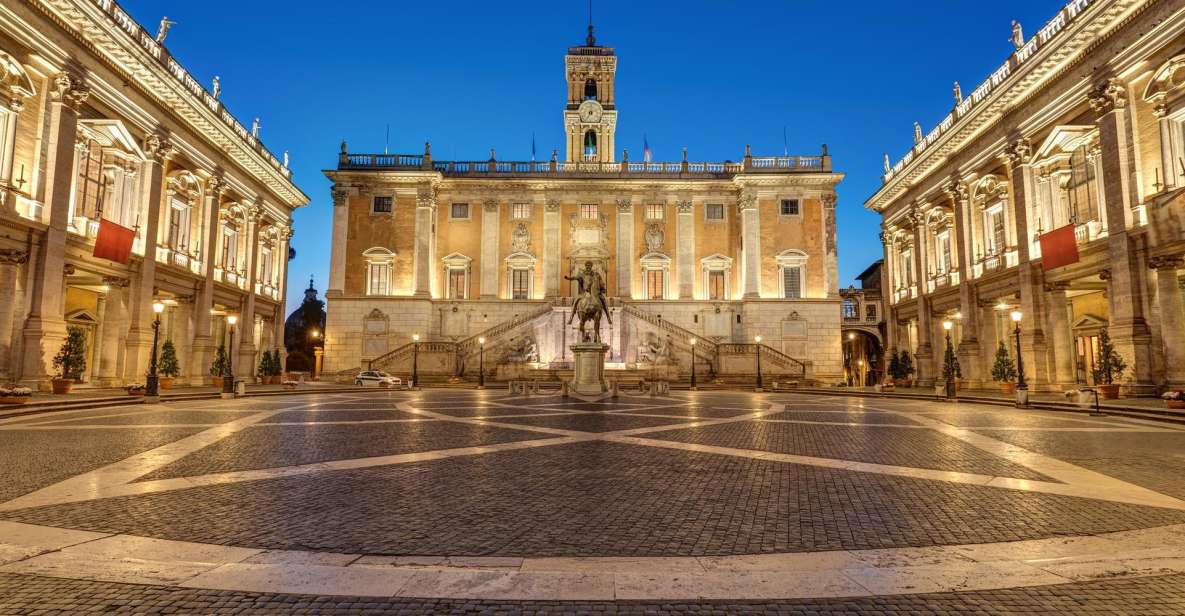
{"type": "Point", "coordinates": [589, 378]}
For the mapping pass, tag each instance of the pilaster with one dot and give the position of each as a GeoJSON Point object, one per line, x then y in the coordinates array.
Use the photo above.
{"type": "Point", "coordinates": [425, 206]}
{"type": "Point", "coordinates": [686, 248]}
{"type": "Point", "coordinates": [751, 250]}
{"type": "Point", "coordinates": [245, 360]}
{"type": "Point", "coordinates": [625, 248]}
{"type": "Point", "coordinates": [551, 248]}
{"type": "Point", "coordinates": [968, 350]}
{"type": "Point", "coordinates": [489, 248]}
{"type": "Point", "coordinates": [142, 287]}
{"type": "Point", "coordinates": [112, 333]}
{"type": "Point", "coordinates": [337, 250]}
{"type": "Point", "coordinates": [10, 263]}
{"type": "Point", "coordinates": [1030, 278]}
{"type": "Point", "coordinates": [1172, 316]}
{"type": "Point", "coordinates": [1058, 323]}
{"type": "Point", "coordinates": [830, 242]}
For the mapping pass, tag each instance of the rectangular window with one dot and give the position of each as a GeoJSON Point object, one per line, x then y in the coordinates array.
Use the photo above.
{"type": "Point", "coordinates": [380, 277]}
{"type": "Point", "coordinates": [654, 211]}
{"type": "Point", "coordinates": [589, 211]}
{"type": "Point", "coordinates": [715, 211]}
{"type": "Point", "coordinates": [870, 311]}
{"type": "Point", "coordinates": [230, 249]}
{"type": "Point", "coordinates": [944, 260]}
{"type": "Point", "coordinates": [850, 310]}
{"type": "Point", "coordinates": [178, 232]}
{"type": "Point", "coordinates": [999, 236]}
{"type": "Point", "coordinates": [716, 284]}
{"type": "Point", "coordinates": [789, 207]}
{"type": "Point", "coordinates": [792, 282]}
{"type": "Point", "coordinates": [654, 284]}
{"type": "Point", "coordinates": [907, 268]}
{"type": "Point", "coordinates": [265, 265]}
{"type": "Point", "coordinates": [458, 287]}
{"type": "Point", "coordinates": [383, 205]}
{"type": "Point", "coordinates": [520, 284]}
{"type": "Point", "coordinates": [520, 211]}
{"type": "Point", "coordinates": [459, 210]}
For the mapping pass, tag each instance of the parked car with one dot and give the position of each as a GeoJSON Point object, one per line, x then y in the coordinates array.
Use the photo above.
{"type": "Point", "coordinates": [377, 378]}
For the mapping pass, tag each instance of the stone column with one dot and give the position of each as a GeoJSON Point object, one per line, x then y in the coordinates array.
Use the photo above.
{"type": "Point", "coordinates": [1058, 319]}
{"type": "Point", "coordinates": [968, 350]}
{"type": "Point", "coordinates": [92, 363]}
{"type": "Point", "coordinates": [202, 353]}
{"type": "Point", "coordinates": [686, 248]}
{"type": "Point", "coordinates": [337, 251]}
{"type": "Point", "coordinates": [141, 290]}
{"type": "Point", "coordinates": [10, 262]}
{"type": "Point", "coordinates": [1128, 326]}
{"type": "Point", "coordinates": [245, 360]}
{"type": "Point", "coordinates": [489, 249]}
{"type": "Point", "coordinates": [625, 248]}
{"type": "Point", "coordinates": [751, 252]}
{"type": "Point", "coordinates": [925, 356]}
{"type": "Point", "coordinates": [425, 205]}
{"type": "Point", "coordinates": [45, 327]}
{"type": "Point", "coordinates": [282, 285]}
{"type": "Point", "coordinates": [830, 242]}
{"type": "Point", "coordinates": [113, 328]}
{"type": "Point", "coordinates": [1169, 175]}
{"type": "Point", "coordinates": [1029, 276]}
{"type": "Point", "coordinates": [1172, 317]}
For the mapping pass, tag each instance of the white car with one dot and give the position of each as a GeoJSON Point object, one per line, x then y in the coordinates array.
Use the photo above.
{"type": "Point", "coordinates": [377, 378]}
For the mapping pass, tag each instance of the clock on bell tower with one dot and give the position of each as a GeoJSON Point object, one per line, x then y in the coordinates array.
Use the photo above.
{"type": "Point", "coordinates": [590, 116]}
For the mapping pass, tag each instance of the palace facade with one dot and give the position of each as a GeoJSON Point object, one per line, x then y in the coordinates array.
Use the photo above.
{"type": "Point", "coordinates": [457, 251]}
{"type": "Point", "coordinates": [1083, 126]}
{"type": "Point", "coordinates": [100, 122]}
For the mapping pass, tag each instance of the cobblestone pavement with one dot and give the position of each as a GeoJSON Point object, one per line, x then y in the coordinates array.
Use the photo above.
{"type": "Point", "coordinates": [690, 476]}
{"type": "Point", "coordinates": [1151, 596]}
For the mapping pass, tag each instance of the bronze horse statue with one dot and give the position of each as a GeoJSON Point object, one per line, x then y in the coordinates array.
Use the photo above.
{"type": "Point", "coordinates": [590, 303]}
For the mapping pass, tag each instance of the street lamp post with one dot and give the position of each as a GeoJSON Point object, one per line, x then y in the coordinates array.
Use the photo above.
{"type": "Point", "coordinates": [1022, 388]}
{"type": "Point", "coordinates": [948, 370]}
{"type": "Point", "coordinates": [153, 385]}
{"type": "Point", "coordinates": [693, 387]}
{"type": "Point", "coordinates": [415, 360]}
{"type": "Point", "coordinates": [757, 348]}
{"type": "Point", "coordinates": [481, 363]}
{"type": "Point", "coordinates": [851, 356]}
{"type": "Point", "coordinates": [860, 371]}
{"type": "Point", "coordinates": [228, 380]}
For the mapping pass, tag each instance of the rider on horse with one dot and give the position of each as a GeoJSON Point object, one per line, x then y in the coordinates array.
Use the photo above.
{"type": "Point", "coordinates": [592, 290]}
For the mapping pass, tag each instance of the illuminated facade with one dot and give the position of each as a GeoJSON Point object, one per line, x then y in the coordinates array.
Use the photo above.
{"type": "Point", "coordinates": [1082, 126]}
{"type": "Point", "coordinates": [99, 121]}
{"type": "Point", "coordinates": [456, 250]}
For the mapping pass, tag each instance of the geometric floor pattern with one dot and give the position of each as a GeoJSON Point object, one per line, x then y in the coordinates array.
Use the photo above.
{"type": "Point", "coordinates": [819, 504]}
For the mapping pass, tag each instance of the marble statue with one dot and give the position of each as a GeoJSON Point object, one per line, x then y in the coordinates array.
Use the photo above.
{"type": "Point", "coordinates": [217, 87]}
{"type": "Point", "coordinates": [163, 31]}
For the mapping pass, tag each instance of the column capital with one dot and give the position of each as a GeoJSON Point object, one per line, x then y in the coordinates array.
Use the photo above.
{"type": "Point", "coordinates": [684, 206]}
{"type": "Point", "coordinates": [1107, 96]}
{"type": "Point", "coordinates": [748, 201]}
{"type": "Point", "coordinates": [1057, 287]}
{"type": "Point", "coordinates": [69, 90]}
{"type": "Point", "coordinates": [215, 185]}
{"type": "Point", "coordinates": [553, 205]}
{"type": "Point", "coordinates": [625, 205]}
{"type": "Point", "coordinates": [1019, 152]}
{"type": "Point", "coordinates": [1166, 262]}
{"type": "Point", "coordinates": [116, 282]}
{"type": "Point", "coordinates": [956, 190]}
{"type": "Point", "coordinates": [12, 256]}
{"type": "Point", "coordinates": [425, 198]}
{"type": "Point", "coordinates": [157, 147]}
{"type": "Point", "coordinates": [490, 205]}
{"type": "Point", "coordinates": [829, 199]}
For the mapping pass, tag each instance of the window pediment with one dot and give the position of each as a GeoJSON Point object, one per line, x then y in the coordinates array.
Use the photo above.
{"type": "Point", "coordinates": [14, 80]}
{"type": "Point", "coordinates": [1062, 141]}
{"type": "Point", "coordinates": [378, 254]}
{"type": "Point", "coordinates": [791, 257]}
{"type": "Point", "coordinates": [111, 134]}
{"type": "Point", "coordinates": [1168, 78]}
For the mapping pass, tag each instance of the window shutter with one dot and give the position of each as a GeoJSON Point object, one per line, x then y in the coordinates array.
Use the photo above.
{"type": "Point", "coordinates": [792, 280]}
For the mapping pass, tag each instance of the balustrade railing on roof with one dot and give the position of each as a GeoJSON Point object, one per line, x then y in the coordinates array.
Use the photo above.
{"type": "Point", "coordinates": [418, 162]}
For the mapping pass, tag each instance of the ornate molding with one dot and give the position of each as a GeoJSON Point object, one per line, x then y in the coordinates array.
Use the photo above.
{"type": "Point", "coordinates": [1057, 287]}
{"type": "Point", "coordinates": [115, 282]}
{"type": "Point", "coordinates": [425, 197]}
{"type": "Point", "coordinates": [490, 205]}
{"type": "Point", "coordinates": [684, 206]}
{"type": "Point", "coordinates": [215, 185]}
{"type": "Point", "coordinates": [12, 256]}
{"type": "Point", "coordinates": [1167, 262]}
{"type": "Point", "coordinates": [553, 205]}
{"type": "Point", "coordinates": [69, 90]}
{"type": "Point", "coordinates": [1020, 152]}
{"type": "Point", "coordinates": [957, 191]}
{"type": "Point", "coordinates": [747, 201]}
{"type": "Point", "coordinates": [625, 205]}
{"type": "Point", "coordinates": [1109, 95]}
{"type": "Point", "coordinates": [157, 147]}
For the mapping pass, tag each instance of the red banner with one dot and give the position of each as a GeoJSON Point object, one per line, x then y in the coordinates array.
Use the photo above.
{"type": "Point", "coordinates": [1059, 248]}
{"type": "Point", "coordinates": [114, 242]}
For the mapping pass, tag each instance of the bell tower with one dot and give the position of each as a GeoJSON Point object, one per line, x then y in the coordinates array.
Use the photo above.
{"type": "Point", "coordinates": [590, 116]}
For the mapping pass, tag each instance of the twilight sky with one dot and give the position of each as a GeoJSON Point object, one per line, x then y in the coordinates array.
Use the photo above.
{"type": "Point", "coordinates": [704, 74]}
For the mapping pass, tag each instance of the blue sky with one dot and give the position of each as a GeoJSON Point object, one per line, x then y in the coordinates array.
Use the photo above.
{"type": "Point", "coordinates": [704, 74]}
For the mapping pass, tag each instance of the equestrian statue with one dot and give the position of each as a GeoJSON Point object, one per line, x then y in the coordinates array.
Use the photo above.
{"type": "Point", "coordinates": [590, 302]}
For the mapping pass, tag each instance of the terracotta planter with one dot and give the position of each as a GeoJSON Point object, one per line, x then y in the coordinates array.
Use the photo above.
{"type": "Point", "coordinates": [1168, 404]}
{"type": "Point", "coordinates": [14, 399]}
{"type": "Point", "coordinates": [62, 386]}
{"type": "Point", "coordinates": [1008, 388]}
{"type": "Point", "coordinates": [1109, 392]}
{"type": "Point", "coordinates": [217, 381]}
{"type": "Point", "coordinates": [166, 382]}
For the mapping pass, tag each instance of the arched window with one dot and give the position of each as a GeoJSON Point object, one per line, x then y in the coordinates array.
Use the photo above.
{"type": "Point", "coordinates": [590, 145]}
{"type": "Point", "coordinates": [590, 90]}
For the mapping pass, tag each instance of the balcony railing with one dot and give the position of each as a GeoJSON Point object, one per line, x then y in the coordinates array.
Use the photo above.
{"type": "Point", "coordinates": [483, 168]}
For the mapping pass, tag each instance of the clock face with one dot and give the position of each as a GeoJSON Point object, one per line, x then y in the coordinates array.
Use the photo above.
{"type": "Point", "coordinates": [590, 111]}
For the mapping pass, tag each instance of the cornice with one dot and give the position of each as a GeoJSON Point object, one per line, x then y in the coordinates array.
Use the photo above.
{"type": "Point", "coordinates": [90, 23]}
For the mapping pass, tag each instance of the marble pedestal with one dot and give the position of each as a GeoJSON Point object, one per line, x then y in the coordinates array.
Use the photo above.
{"type": "Point", "coordinates": [589, 366]}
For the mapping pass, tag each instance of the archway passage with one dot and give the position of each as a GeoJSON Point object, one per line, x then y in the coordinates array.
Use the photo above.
{"type": "Point", "coordinates": [862, 357]}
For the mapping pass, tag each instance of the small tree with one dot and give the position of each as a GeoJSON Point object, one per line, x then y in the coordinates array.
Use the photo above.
{"type": "Point", "coordinates": [219, 366]}
{"type": "Point", "coordinates": [265, 364]}
{"type": "Point", "coordinates": [1109, 365]}
{"type": "Point", "coordinates": [1004, 369]}
{"type": "Point", "coordinates": [168, 360]}
{"type": "Point", "coordinates": [71, 358]}
{"type": "Point", "coordinates": [277, 363]}
{"type": "Point", "coordinates": [906, 365]}
{"type": "Point", "coordinates": [895, 364]}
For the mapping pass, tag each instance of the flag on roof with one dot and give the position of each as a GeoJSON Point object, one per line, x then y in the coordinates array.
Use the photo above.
{"type": "Point", "coordinates": [646, 153]}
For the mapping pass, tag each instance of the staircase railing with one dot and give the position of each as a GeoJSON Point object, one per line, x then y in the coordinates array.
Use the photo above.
{"type": "Point", "coordinates": [769, 355]}
{"type": "Point", "coordinates": [469, 347]}
{"type": "Point", "coordinates": [704, 349]}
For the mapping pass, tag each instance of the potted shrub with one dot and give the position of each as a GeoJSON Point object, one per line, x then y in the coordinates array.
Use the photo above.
{"type": "Point", "coordinates": [1173, 399]}
{"type": "Point", "coordinates": [218, 367]}
{"type": "Point", "coordinates": [1108, 367]}
{"type": "Point", "coordinates": [893, 371]}
{"type": "Point", "coordinates": [70, 360]}
{"type": "Point", "coordinates": [168, 369]}
{"type": "Point", "coordinates": [277, 367]}
{"type": "Point", "coordinates": [951, 371]}
{"type": "Point", "coordinates": [1004, 370]}
{"type": "Point", "coordinates": [15, 395]}
{"type": "Point", "coordinates": [906, 369]}
{"type": "Point", "coordinates": [137, 389]}
{"type": "Point", "coordinates": [265, 368]}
